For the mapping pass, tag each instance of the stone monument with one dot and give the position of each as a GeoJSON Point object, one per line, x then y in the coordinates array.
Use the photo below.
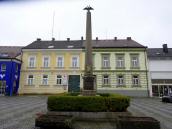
{"type": "Point", "coordinates": [89, 85]}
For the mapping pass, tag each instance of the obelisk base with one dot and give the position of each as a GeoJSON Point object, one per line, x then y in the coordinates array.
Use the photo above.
{"type": "Point", "coordinates": [89, 88]}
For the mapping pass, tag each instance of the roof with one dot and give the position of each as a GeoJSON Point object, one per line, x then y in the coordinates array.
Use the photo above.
{"type": "Point", "coordinates": [157, 53]}
{"type": "Point", "coordinates": [79, 44]}
{"type": "Point", "coordinates": [10, 51]}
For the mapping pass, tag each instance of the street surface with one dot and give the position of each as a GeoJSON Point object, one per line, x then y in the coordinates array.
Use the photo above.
{"type": "Point", "coordinates": [19, 112]}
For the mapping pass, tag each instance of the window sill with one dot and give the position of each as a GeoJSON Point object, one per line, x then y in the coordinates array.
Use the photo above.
{"type": "Point", "coordinates": [106, 85]}
{"type": "Point", "coordinates": [31, 67]}
{"type": "Point", "coordinates": [59, 67]}
{"type": "Point", "coordinates": [30, 85]}
{"type": "Point", "coordinates": [45, 67]}
{"type": "Point", "coordinates": [59, 85]}
{"type": "Point", "coordinates": [74, 67]}
{"type": "Point", "coordinates": [136, 85]}
{"type": "Point", "coordinates": [120, 67]}
{"type": "Point", "coordinates": [134, 67]}
{"type": "Point", "coordinates": [106, 67]}
{"type": "Point", "coordinates": [44, 85]}
{"type": "Point", "coordinates": [121, 86]}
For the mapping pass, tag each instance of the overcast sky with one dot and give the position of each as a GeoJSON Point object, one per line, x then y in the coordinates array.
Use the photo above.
{"type": "Point", "coordinates": [148, 22]}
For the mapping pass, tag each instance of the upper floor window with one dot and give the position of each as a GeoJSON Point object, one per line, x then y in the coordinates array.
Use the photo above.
{"type": "Point", "coordinates": [106, 80]}
{"type": "Point", "coordinates": [120, 80]}
{"type": "Point", "coordinates": [75, 61]}
{"type": "Point", "coordinates": [120, 61]}
{"type": "Point", "coordinates": [45, 80]}
{"type": "Point", "coordinates": [32, 61]}
{"type": "Point", "coordinates": [106, 61]}
{"type": "Point", "coordinates": [135, 80]}
{"type": "Point", "coordinates": [3, 67]}
{"type": "Point", "coordinates": [134, 61]}
{"type": "Point", "coordinates": [30, 80]}
{"type": "Point", "coordinates": [46, 61]}
{"type": "Point", "coordinates": [59, 79]}
{"type": "Point", "coordinates": [60, 61]}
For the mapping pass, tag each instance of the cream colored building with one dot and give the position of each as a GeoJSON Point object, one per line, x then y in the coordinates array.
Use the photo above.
{"type": "Point", "coordinates": [120, 66]}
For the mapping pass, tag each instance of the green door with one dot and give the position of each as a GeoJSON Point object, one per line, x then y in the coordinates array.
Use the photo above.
{"type": "Point", "coordinates": [74, 83]}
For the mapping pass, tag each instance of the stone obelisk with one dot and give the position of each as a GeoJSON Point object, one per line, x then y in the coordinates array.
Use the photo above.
{"type": "Point", "coordinates": [89, 79]}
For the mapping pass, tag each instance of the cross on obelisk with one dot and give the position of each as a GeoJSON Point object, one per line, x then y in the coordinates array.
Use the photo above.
{"type": "Point", "coordinates": [89, 78]}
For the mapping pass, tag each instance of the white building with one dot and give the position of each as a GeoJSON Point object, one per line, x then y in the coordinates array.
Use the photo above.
{"type": "Point", "coordinates": [160, 67]}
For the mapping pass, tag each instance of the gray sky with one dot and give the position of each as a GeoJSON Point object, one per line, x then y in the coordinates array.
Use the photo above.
{"type": "Point", "coordinates": [148, 22]}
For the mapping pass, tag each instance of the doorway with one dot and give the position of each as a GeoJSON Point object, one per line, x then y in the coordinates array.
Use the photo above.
{"type": "Point", "coordinates": [74, 83]}
{"type": "Point", "coordinates": [2, 87]}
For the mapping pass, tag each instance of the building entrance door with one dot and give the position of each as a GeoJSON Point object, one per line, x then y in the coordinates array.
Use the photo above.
{"type": "Point", "coordinates": [165, 90]}
{"type": "Point", "coordinates": [2, 87]}
{"type": "Point", "coordinates": [74, 83]}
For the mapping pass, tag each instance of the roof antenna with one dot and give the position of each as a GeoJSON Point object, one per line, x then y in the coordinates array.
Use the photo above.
{"type": "Point", "coordinates": [53, 24]}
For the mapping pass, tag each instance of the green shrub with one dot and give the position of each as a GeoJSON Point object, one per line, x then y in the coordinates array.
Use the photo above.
{"type": "Point", "coordinates": [113, 103]}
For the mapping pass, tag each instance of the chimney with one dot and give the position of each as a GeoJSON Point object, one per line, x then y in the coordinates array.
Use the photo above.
{"type": "Point", "coordinates": [82, 38]}
{"type": "Point", "coordinates": [97, 38]}
{"type": "Point", "coordinates": [68, 39]}
{"type": "Point", "coordinates": [38, 39]}
{"type": "Point", "coordinates": [128, 38]}
{"type": "Point", "coordinates": [53, 39]}
{"type": "Point", "coordinates": [165, 48]}
{"type": "Point", "coordinates": [115, 38]}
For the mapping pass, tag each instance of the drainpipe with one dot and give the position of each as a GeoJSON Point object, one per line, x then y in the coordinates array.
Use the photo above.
{"type": "Point", "coordinates": [11, 79]}
{"type": "Point", "coordinates": [147, 81]}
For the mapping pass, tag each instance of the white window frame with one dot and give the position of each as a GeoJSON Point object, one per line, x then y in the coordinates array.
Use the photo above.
{"type": "Point", "coordinates": [120, 62]}
{"type": "Point", "coordinates": [34, 62]}
{"type": "Point", "coordinates": [3, 69]}
{"type": "Point", "coordinates": [46, 80]}
{"type": "Point", "coordinates": [77, 62]}
{"type": "Point", "coordinates": [135, 81]}
{"type": "Point", "coordinates": [120, 81]}
{"type": "Point", "coordinates": [62, 63]}
{"type": "Point", "coordinates": [43, 61]}
{"type": "Point", "coordinates": [30, 81]}
{"type": "Point", "coordinates": [106, 81]}
{"type": "Point", "coordinates": [59, 79]}
{"type": "Point", "coordinates": [135, 62]}
{"type": "Point", "coordinates": [106, 63]}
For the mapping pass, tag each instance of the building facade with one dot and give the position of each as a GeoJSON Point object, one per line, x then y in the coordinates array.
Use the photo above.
{"type": "Point", "coordinates": [51, 67]}
{"type": "Point", "coordinates": [160, 62]}
{"type": "Point", "coordinates": [10, 65]}
{"type": "Point", "coordinates": [120, 66]}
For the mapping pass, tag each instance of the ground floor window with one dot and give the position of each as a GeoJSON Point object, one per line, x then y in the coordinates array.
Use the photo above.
{"type": "Point", "coordinates": [45, 80]}
{"type": "Point", "coordinates": [120, 80]}
{"type": "Point", "coordinates": [135, 80]}
{"type": "Point", "coordinates": [106, 80]}
{"type": "Point", "coordinates": [59, 80]}
{"type": "Point", "coordinates": [30, 80]}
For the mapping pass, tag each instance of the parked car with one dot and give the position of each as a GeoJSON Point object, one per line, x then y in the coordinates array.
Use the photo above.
{"type": "Point", "coordinates": [167, 99]}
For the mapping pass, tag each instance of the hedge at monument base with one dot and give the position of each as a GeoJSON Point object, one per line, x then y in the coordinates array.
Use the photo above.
{"type": "Point", "coordinates": [112, 103]}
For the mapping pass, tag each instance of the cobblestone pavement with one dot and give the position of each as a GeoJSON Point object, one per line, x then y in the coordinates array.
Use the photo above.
{"type": "Point", "coordinates": [153, 107]}
{"type": "Point", "coordinates": [19, 112]}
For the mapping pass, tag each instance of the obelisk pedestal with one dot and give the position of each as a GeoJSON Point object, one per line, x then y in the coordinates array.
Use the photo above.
{"type": "Point", "coordinates": [89, 85]}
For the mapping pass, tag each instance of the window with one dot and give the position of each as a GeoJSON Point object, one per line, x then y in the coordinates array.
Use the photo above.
{"type": "Point", "coordinates": [106, 79]}
{"type": "Point", "coordinates": [60, 61]}
{"type": "Point", "coordinates": [120, 80]}
{"type": "Point", "coordinates": [134, 61]}
{"type": "Point", "coordinates": [3, 67]}
{"type": "Point", "coordinates": [45, 80]}
{"type": "Point", "coordinates": [135, 80]}
{"type": "Point", "coordinates": [32, 61]}
{"type": "Point", "coordinates": [93, 60]}
{"type": "Point", "coordinates": [120, 61]}
{"type": "Point", "coordinates": [75, 61]}
{"type": "Point", "coordinates": [30, 80]}
{"type": "Point", "coordinates": [59, 80]}
{"type": "Point", "coordinates": [46, 61]}
{"type": "Point", "coordinates": [106, 61]}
